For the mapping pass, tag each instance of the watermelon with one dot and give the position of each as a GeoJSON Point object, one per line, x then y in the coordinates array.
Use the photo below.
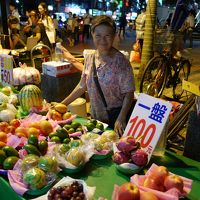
{"type": "Point", "coordinates": [30, 96]}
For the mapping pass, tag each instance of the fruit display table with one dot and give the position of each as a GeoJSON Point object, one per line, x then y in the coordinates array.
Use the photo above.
{"type": "Point", "coordinates": [103, 175]}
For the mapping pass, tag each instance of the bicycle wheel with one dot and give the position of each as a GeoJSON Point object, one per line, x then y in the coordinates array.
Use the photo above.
{"type": "Point", "coordinates": [182, 74]}
{"type": "Point", "coordinates": [154, 77]}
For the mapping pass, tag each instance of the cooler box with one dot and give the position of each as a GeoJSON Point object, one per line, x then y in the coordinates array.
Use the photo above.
{"type": "Point", "coordinates": [58, 68]}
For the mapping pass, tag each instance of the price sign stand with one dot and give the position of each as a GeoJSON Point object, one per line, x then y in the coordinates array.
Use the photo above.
{"type": "Point", "coordinates": [6, 66]}
{"type": "Point", "coordinates": [147, 121]}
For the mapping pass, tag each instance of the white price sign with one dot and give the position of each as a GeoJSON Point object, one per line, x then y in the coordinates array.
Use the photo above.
{"type": "Point", "coordinates": [6, 64]}
{"type": "Point", "coordinates": [147, 121]}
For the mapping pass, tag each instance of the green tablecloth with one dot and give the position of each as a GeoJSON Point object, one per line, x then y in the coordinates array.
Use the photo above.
{"type": "Point", "coordinates": [103, 175]}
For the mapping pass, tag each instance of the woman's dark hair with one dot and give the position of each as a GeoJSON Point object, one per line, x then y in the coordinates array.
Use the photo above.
{"type": "Point", "coordinates": [46, 12]}
{"type": "Point", "coordinates": [54, 16]}
{"type": "Point", "coordinates": [13, 4]}
{"type": "Point", "coordinates": [44, 5]}
{"type": "Point", "coordinates": [103, 20]}
{"type": "Point", "coordinates": [34, 13]}
{"type": "Point", "coordinates": [13, 20]}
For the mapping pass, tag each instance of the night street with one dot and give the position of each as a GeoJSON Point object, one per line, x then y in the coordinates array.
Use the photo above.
{"type": "Point", "coordinates": [126, 45]}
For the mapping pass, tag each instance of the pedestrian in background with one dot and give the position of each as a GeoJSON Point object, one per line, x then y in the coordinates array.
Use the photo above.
{"type": "Point", "coordinates": [122, 25]}
{"type": "Point", "coordinates": [47, 21]}
{"type": "Point", "coordinates": [16, 41]}
{"type": "Point", "coordinates": [36, 29]}
{"type": "Point", "coordinates": [76, 29]}
{"type": "Point", "coordinates": [14, 12]}
{"type": "Point", "coordinates": [190, 26]}
{"type": "Point", "coordinates": [55, 22]}
{"type": "Point", "coordinates": [140, 24]}
{"type": "Point", "coordinates": [86, 27]}
{"type": "Point", "coordinates": [70, 29]}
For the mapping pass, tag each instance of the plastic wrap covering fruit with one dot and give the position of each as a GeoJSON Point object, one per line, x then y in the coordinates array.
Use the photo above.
{"type": "Point", "coordinates": [103, 144]}
{"type": "Point", "coordinates": [73, 156]}
{"type": "Point", "coordinates": [33, 174]}
{"type": "Point", "coordinates": [128, 155]}
{"type": "Point", "coordinates": [165, 185]}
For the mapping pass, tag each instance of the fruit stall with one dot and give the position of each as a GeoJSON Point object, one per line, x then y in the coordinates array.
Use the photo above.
{"type": "Point", "coordinates": [50, 152]}
{"type": "Point", "coordinates": [47, 152]}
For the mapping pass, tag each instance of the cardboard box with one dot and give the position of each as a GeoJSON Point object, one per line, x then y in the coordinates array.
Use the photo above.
{"type": "Point", "coordinates": [58, 68]}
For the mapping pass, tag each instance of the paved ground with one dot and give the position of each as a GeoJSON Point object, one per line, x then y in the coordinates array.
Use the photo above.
{"type": "Point", "coordinates": [126, 44]}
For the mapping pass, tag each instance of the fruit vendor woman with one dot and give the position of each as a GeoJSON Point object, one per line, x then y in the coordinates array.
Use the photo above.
{"type": "Point", "coordinates": [115, 77]}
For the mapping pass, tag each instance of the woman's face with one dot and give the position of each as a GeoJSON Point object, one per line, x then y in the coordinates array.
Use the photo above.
{"type": "Point", "coordinates": [41, 9]}
{"type": "Point", "coordinates": [34, 19]}
{"type": "Point", "coordinates": [103, 37]}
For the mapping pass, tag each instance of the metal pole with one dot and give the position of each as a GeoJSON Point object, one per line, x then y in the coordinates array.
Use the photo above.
{"type": "Point", "coordinates": [4, 22]}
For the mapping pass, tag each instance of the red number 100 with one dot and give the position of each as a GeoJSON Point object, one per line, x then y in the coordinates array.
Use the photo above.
{"type": "Point", "coordinates": [140, 127]}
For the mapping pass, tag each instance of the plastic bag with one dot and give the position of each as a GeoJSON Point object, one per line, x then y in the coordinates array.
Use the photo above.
{"type": "Point", "coordinates": [24, 75]}
{"type": "Point", "coordinates": [135, 55]}
{"type": "Point", "coordinates": [137, 47]}
{"type": "Point", "coordinates": [75, 157]}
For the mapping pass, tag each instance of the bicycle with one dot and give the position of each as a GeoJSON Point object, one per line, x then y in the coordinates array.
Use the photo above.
{"type": "Point", "coordinates": [164, 71]}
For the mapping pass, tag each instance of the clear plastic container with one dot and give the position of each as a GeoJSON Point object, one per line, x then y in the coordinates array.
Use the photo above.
{"type": "Point", "coordinates": [161, 145]}
{"type": "Point", "coordinates": [58, 52]}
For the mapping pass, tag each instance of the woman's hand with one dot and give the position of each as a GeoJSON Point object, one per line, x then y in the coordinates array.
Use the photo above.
{"type": "Point", "coordinates": [67, 55]}
{"type": "Point", "coordinates": [120, 126]}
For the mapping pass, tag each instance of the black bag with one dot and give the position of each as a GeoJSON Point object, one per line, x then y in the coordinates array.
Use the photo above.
{"type": "Point", "coordinates": [113, 113]}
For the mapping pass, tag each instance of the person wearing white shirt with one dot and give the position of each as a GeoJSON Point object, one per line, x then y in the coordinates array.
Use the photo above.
{"type": "Point", "coordinates": [47, 21]}
{"type": "Point", "coordinates": [140, 24]}
{"type": "Point", "coordinates": [86, 28]}
{"type": "Point", "coordinates": [190, 27]}
{"type": "Point", "coordinates": [14, 12]}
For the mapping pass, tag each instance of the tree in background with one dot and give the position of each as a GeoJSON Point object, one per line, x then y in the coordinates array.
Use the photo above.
{"type": "Point", "coordinates": [147, 50]}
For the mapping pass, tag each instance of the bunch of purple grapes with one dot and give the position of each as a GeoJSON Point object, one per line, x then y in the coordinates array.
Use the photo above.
{"type": "Point", "coordinates": [70, 192]}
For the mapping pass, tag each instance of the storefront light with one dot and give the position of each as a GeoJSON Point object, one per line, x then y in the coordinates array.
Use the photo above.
{"type": "Point", "coordinates": [72, 8]}
{"type": "Point", "coordinates": [50, 7]}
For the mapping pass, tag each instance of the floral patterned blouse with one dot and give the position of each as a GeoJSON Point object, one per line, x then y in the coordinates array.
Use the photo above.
{"type": "Point", "coordinates": [115, 78]}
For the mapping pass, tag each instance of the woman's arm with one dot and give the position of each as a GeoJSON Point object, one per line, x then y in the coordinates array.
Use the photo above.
{"type": "Point", "coordinates": [11, 42]}
{"type": "Point", "coordinates": [38, 36]}
{"type": "Point", "coordinates": [77, 64]}
{"type": "Point", "coordinates": [121, 120]}
{"type": "Point", "coordinates": [77, 92]}
{"type": "Point", "coordinates": [16, 39]}
{"type": "Point", "coordinates": [27, 28]}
